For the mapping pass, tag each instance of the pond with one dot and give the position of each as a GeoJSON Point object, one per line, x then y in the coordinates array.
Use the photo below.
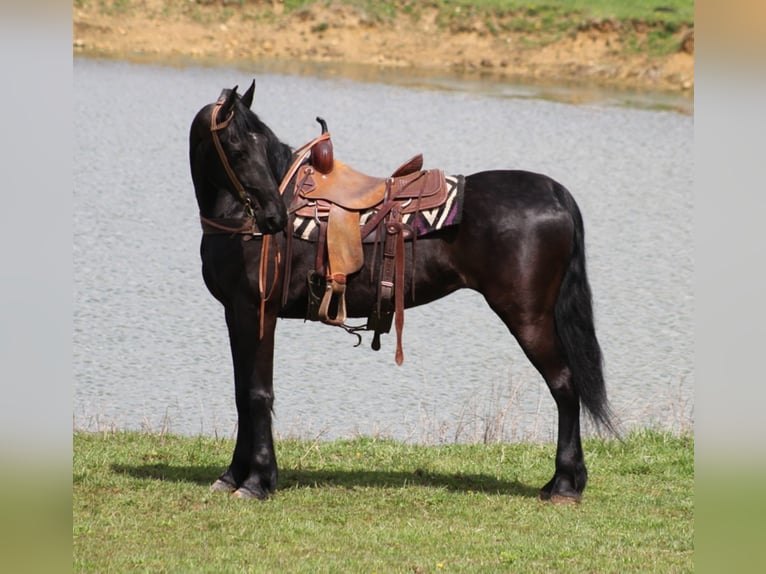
{"type": "Point", "coordinates": [150, 343]}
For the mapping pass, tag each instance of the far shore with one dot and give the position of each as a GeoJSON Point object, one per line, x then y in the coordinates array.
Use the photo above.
{"type": "Point", "coordinates": [599, 54]}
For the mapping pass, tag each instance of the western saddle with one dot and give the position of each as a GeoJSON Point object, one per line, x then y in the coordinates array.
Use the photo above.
{"type": "Point", "coordinates": [335, 195]}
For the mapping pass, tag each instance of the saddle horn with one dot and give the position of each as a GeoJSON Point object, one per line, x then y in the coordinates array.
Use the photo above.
{"type": "Point", "coordinates": [321, 153]}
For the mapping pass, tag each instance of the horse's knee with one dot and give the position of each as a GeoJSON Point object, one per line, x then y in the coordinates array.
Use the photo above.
{"type": "Point", "coordinates": [262, 398]}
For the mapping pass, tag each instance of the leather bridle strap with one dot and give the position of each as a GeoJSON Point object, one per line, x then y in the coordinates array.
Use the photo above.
{"type": "Point", "coordinates": [215, 127]}
{"type": "Point", "coordinates": [229, 226]}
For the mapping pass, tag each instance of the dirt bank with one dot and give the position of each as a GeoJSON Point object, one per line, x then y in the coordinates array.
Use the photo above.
{"type": "Point", "coordinates": [606, 53]}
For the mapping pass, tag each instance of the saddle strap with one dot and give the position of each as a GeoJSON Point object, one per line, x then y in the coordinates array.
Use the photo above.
{"type": "Point", "coordinates": [399, 293]}
{"type": "Point", "coordinates": [320, 263]}
{"type": "Point", "coordinates": [386, 283]}
{"type": "Point", "coordinates": [391, 285]}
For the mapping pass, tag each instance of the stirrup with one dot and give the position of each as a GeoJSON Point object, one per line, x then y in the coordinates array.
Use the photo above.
{"type": "Point", "coordinates": [335, 290]}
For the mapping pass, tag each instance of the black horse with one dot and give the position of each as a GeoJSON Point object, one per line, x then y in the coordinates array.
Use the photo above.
{"type": "Point", "coordinates": [520, 244]}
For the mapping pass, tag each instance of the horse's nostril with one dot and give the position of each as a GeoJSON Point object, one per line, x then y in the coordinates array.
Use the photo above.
{"type": "Point", "coordinates": [275, 221]}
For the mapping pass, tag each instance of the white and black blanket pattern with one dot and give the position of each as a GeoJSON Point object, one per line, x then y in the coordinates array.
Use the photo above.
{"type": "Point", "coordinates": [430, 220]}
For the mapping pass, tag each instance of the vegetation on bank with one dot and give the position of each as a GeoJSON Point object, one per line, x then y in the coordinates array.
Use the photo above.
{"type": "Point", "coordinates": [651, 26]}
{"type": "Point", "coordinates": [141, 503]}
{"type": "Point", "coordinates": [668, 11]}
{"type": "Point", "coordinates": [520, 15]}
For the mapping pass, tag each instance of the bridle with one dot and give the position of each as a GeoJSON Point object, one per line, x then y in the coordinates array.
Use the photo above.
{"type": "Point", "coordinates": [215, 127]}
{"type": "Point", "coordinates": [250, 228]}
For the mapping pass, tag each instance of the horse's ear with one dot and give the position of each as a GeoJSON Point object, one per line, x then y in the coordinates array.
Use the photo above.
{"type": "Point", "coordinates": [228, 103]}
{"type": "Point", "coordinates": [247, 97]}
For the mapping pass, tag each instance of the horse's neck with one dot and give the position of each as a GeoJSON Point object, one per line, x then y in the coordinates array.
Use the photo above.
{"type": "Point", "coordinates": [283, 157]}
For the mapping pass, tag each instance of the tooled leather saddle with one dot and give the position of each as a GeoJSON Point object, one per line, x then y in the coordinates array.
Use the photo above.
{"type": "Point", "coordinates": [336, 195]}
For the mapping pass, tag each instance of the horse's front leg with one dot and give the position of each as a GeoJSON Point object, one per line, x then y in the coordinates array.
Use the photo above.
{"type": "Point", "coordinates": [253, 469]}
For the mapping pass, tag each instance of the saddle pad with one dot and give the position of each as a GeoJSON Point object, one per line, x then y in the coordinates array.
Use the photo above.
{"type": "Point", "coordinates": [428, 221]}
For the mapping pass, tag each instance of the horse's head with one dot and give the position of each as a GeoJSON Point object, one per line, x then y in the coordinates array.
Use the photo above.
{"type": "Point", "coordinates": [236, 162]}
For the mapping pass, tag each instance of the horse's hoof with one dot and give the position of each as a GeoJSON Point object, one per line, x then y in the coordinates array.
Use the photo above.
{"type": "Point", "coordinates": [560, 499]}
{"type": "Point", "coordinates": [246, 494]}
{"type": "Point", "coordinates": [222, 486]}
{"type": "Point", "coordinates": [563, 500]}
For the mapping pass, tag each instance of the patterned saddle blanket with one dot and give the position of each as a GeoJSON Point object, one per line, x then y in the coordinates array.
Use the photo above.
{"type": "Point", "coordinates": [421, 222]}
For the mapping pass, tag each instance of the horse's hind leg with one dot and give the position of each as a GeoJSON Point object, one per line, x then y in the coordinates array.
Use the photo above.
{"type": "Point", "coordinates": [536, 334]}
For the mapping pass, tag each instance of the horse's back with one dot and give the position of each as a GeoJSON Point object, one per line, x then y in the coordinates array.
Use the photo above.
{"type": "Point", "coordinates": [517, 190]}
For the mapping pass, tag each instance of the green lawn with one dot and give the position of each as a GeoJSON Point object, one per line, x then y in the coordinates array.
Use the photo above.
{"type": "Point", "coordinates": [141, 503]}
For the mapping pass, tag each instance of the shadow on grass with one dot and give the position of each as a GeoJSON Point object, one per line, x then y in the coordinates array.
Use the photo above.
{"type": "Point", "coordinates": [291, 478]}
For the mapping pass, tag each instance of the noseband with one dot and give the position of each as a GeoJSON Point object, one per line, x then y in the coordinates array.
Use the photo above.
{"type": "Point", "coordinates": [215, 127]}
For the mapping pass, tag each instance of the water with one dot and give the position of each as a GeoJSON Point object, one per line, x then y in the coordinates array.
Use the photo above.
{"type": "Point", "coordinates": [150, 343]}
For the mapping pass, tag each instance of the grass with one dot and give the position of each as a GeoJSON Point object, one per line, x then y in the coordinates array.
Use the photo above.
{"type": "Point", "coordinates": [650, 26]}
{"type": "Point", "coordinates": [141, 503]}
{"type": "Point", "coordinates": [521, 14]}
{"type": "Point", "coordinates": [672, 12]}
{"type": "Point", "coordinates": [669, 10]}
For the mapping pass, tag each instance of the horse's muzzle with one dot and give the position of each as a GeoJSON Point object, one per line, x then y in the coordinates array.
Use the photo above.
{"type": "Point", "coordinates": [272, 219]}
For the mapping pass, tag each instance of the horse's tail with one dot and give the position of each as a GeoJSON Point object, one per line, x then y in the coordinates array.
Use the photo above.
{"type": "Point", "coordinates": [575, 326]}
